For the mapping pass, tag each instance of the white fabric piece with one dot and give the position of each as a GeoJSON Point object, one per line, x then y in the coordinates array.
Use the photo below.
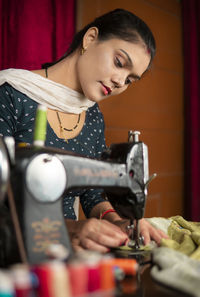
{"type": "Point", "coordinates": [176, 270]}
{"type": "Point", "coordinates": [45, 91]}
{"type": "Point", "coordinates": [160, 223]}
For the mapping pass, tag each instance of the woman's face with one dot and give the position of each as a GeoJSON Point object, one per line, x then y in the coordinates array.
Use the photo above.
{"type": "Point", "coordinates": [108, 67]}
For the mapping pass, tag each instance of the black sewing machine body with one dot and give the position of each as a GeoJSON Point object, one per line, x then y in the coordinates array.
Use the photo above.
{"type": "Point", "coordinates": [41, 176]}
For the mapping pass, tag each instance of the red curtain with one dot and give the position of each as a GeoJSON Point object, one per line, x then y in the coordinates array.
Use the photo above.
{"type": "Point", "coordinates": [191, 38]}
{"type": "Point", "coordinates": [33, 32]}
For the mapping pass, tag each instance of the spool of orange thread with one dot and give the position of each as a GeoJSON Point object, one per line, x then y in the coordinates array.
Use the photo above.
{"type": "Point", "coordinates": [129, 266]}
{"type": "Point", "coordinates": [107, 278]}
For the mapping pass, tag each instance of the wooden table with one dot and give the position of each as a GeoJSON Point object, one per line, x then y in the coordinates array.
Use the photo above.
{"type": "Point", "coordinates": [143, 284]}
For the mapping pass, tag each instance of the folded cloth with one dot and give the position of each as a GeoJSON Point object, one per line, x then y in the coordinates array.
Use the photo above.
{"type": "Point", "coordinates": [174, 269]}
{"type": "Point", "coordinates": [175, 262]}
{"type": "Point", "coordinates": [184, 236]}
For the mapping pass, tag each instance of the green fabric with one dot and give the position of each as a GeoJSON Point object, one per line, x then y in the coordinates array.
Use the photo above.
{"type": "Point", "coordinates": [184, 236]}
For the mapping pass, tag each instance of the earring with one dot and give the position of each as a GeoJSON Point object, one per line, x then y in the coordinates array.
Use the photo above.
{"type": "Point", "coordinates": [83, 50]}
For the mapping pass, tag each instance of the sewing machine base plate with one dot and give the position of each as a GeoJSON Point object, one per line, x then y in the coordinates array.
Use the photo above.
{"type": "Point", "coordinates": [140, 255]}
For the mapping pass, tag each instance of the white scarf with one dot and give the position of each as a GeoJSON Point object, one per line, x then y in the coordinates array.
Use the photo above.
{"type": "Point", "coordinates": [46, 92]}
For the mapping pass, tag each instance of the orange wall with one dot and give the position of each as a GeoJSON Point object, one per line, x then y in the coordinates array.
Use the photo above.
{"type": "Point", "coordinates": [154, 106]}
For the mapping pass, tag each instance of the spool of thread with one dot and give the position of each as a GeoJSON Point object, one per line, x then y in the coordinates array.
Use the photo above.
{"type": "Point", "coordinates": [129, 266]}
{"type": "Point", "coordinates": [94, 280]}
{"type": "Point", "coordinates": [92, 262]}
{"type": "Point", "coordinates": [60, 285]}
{"type": "Point", "coordinates": [107, 277]}
{"type": "Point", "coordinates": [44, 277]}
{"type": "Point", "coordinates": [22, 280]}
{"type": "Point", "coordinates": [78, 277]}
{"type": "Point", "coordinates": [6, 285]}
{"type": "Point", "coordinates": [40, 125]}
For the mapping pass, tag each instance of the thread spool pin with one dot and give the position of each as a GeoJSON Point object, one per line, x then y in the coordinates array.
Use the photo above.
{"type": "Point", "coordinates": [136, 136]}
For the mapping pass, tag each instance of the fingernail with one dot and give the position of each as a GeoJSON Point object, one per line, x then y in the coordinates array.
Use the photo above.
{"type": "Point", "coordinates": [126, 241]}
{"type": "Point", "coordinates": [122, 242]}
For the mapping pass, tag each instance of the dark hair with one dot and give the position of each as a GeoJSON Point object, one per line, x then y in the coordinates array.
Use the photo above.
{"type": "Point", "coordinates": [118, 23]}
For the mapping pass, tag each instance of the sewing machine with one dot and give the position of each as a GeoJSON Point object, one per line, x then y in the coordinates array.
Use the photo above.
{"type": "Point", "coordinates": [35, 179]}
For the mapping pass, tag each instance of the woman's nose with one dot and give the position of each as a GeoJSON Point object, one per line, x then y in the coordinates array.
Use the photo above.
{"type": "Point", "coordinates": [119, 81]}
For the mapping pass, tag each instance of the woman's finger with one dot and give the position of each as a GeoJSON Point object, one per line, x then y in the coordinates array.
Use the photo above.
{"type": "Point", "coordinates": [149, 232]}
{"type": "Point", "coordinates": [100, 230]}
{"type": "Point", "coordinates": [99, 235]}
{"type": "Point", "coordinates": [90, 244]}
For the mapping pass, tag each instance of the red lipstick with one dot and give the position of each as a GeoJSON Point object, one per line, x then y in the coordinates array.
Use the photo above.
{"type": "Point", "coordinates": [106, 90]}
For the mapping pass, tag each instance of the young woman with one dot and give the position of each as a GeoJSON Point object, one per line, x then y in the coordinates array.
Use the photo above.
{"type": "Point", "coordinates": [105, 57]}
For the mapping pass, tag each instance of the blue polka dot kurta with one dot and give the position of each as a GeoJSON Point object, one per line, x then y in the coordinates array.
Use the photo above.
{"type": "Point", "coordinates": [17, 116]}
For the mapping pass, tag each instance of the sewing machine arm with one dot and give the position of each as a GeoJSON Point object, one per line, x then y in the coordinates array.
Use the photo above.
{"type": "Point", "coordinates": [41, 176]}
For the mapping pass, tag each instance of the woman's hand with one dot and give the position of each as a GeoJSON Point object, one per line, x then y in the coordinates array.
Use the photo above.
{"type": "Point", "coordinates": [83, 239]}
{"type": "Point", "coordinates": [95, 234]}
{"type": "Point", "coordinates": [146, 230]}
{"type": "Point", "coordinates": [150, 233]}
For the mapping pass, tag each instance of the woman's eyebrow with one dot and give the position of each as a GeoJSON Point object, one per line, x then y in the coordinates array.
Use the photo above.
{"type": "Point", "coordinates": [128, 57]}
{"type": "Point", "coordinates": [130, 62]}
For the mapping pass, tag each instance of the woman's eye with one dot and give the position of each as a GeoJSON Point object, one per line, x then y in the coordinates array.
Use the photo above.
{"type": "Point", "coordinates": [128, 81]}
{"type": "Point", "coordinates": [118, 63]}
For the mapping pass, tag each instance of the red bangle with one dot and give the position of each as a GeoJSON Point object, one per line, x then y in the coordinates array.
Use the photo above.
{"type": "Point", "coordinates": [105, 212]}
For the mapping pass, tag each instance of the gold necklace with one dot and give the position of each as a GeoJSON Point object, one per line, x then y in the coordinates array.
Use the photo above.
{"type": "Point", "coordinates": [63, 129]}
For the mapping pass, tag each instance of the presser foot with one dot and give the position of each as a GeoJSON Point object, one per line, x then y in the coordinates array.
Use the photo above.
{"type": "Point", "coordinates": [136, 245]}
{"type": "Point", "coordinates": [136, 240]}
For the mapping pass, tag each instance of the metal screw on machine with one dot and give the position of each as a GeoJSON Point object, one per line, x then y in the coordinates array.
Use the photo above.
{"type": "Point", "coordinates": [133, 136]}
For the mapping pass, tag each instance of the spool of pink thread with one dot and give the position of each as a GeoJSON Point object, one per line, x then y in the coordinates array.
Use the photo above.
{"type": "Point", "coordinates": [78, 278]}
{"type": "Point", "coordinates": [94, 277]}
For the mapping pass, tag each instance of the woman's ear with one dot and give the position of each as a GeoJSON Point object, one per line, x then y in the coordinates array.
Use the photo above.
{"type": "Point", "coordinates": [90, 36]}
